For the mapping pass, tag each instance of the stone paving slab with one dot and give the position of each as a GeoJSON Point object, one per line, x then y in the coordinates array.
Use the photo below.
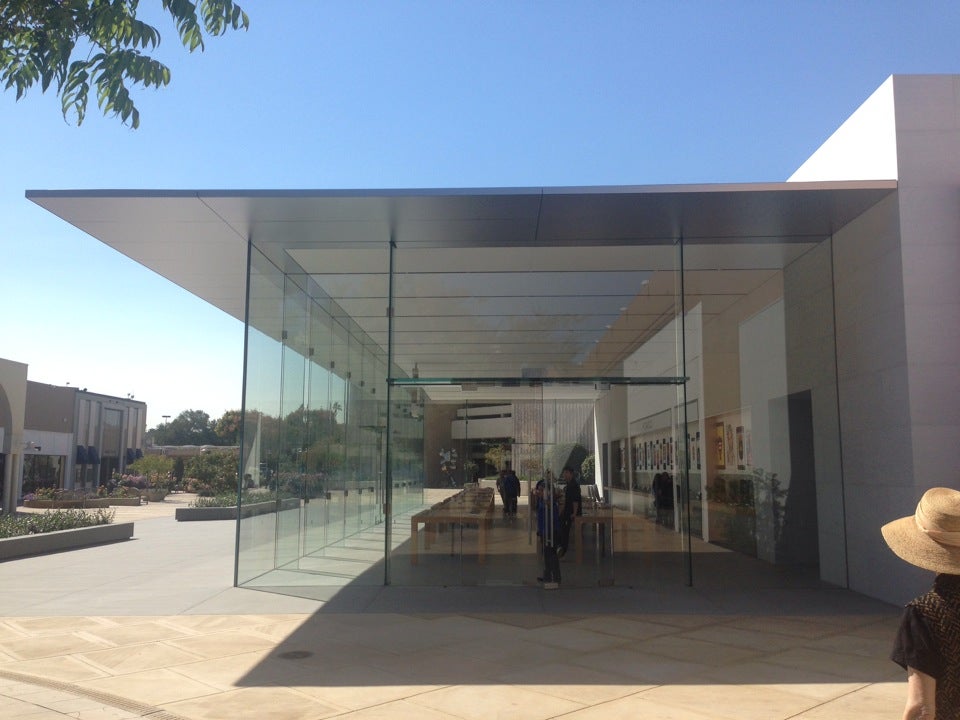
{"type": "Point", "coordinates": [157, 631]}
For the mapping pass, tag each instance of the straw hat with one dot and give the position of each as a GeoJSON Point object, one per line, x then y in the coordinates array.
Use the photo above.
{"type": "Point", "coordinates": [930, 538]}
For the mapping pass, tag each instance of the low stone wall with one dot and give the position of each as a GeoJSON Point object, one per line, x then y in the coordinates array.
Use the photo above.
{"type": "Point", "coordinates": [59, 540]}
{"type": "Point", "coordinates": [124, 501]}
{"type": "Point", "coordinates": [230, 513]}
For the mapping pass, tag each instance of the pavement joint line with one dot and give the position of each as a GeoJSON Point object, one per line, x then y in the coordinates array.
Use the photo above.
{"type": "Point", "coordinates": [142, 709]}
{"type": "Point", "coordinates": [831, 700]}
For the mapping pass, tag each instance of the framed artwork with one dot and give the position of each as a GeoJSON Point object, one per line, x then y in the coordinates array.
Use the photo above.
{"type": "Point", "coordinates": [740, 448]}
{"type": "Point", "coordinates": [729, 449]}
{"type": "Point", "coordinates": [718, 446]}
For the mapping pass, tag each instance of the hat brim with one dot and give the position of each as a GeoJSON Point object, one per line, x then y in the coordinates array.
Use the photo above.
{"type": "Point", "coordinates": [911, 544]}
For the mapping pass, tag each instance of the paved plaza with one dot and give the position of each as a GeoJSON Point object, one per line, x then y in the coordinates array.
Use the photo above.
{"type": "Point", "coordinates": [153, 628]}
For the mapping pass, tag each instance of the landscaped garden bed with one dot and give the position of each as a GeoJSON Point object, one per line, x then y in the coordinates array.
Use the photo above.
{"type": "Point", "coordinates": [60, 504]}
{"type": "Point", "coordinates": [224, 507]}
{"type": "Point", "coordinates": [55, 530]}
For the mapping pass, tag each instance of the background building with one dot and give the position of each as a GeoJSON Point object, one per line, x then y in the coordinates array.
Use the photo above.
{"type": "Point", "coordinates": [61, 436]}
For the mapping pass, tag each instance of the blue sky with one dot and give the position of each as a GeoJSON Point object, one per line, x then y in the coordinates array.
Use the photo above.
{"type": "Point", "coordinates": [416, 94]}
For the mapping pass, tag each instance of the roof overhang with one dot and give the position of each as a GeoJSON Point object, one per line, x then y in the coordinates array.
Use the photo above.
{"type": "Point", "coordinates": [199, 240]}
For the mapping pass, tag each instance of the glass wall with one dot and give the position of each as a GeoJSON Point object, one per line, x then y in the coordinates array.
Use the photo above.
{"type": "Point", "coordinates": [762, 411]}
{"type": "Point", "coordinates": [688, 386]}
{"type": "Point", "coordinates": [314, 440]}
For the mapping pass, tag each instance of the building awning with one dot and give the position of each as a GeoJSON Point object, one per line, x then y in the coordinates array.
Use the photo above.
{"type": "Point", "coordinates": [198, 238]}
{"type": "Point", "coordinates": [573, 279]}
{"type": "Point", "coordinates": [81, 457]}
{"type": "Point", "coordinates": [93, 457]}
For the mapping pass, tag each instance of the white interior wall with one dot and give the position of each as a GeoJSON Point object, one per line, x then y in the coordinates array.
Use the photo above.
{"type": "Point", "coordinates": [811, 365]}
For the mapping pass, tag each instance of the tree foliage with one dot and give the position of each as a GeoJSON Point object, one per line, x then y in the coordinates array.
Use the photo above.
{"type": "Point", "coordinates": [76, 45]}
{"type": "Point", "coordinates": [227, 428]}
{"type": "Point", "coordinates": [191, 427]}
{"type": "Point", "coordinates": [150, 464]}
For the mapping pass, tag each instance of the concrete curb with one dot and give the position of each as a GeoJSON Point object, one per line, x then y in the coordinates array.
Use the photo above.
{"type": "Point", "coordinates": [58, 540]}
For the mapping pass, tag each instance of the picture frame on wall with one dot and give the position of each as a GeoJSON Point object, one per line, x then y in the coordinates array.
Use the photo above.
{"type": "Point", "coordinates": [720, 457]}
{"type": "Point", "coordinates": [729, 448]}
{"type": "Point", "coordinates": [740, 448]}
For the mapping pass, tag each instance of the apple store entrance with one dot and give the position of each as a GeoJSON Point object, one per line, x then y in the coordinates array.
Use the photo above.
{"type": "Point", "coordinates": [684, 372]}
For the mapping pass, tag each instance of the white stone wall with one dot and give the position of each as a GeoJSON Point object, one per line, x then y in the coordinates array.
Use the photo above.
{"type": "Point", "coordinates": [811, 365]}
{"type": "Point", "coordinates": [897, 317]}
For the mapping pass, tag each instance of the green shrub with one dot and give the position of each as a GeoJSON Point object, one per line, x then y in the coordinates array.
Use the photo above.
{"type": "Point", "coordinates": [230, 499]}
{"type": "Point", "coordinates": [51, 520]}
{"type": "Point", "coordinates": [588, 469]}
{"type": "Point", "coordinates": [213, 473]}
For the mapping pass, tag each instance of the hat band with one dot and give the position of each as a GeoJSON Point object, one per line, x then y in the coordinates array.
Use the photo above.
{"type": "Point", "coordinates": [944, 537]}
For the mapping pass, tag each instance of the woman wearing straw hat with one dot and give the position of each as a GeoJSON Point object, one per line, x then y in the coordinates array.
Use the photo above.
{"type": "Point", "coordinates": [928, 641]}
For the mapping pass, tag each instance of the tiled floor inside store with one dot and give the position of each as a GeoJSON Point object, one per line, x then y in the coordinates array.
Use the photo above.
{"type": "Point", "coordinates": [154, 628]}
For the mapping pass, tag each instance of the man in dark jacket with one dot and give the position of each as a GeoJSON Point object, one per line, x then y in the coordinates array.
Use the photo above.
{"type": "Point", "coordinates": [572, 506]}
{"type": "Point", "coordinates": [511, 491]}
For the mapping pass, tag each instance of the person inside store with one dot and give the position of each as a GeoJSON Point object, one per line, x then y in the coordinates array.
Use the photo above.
{"type": "Point", "coordinates": [510, 485]}
{"type": "Point", "coordinates": [927, 643]}
{"type": "Point", "coordinates": [572, 507]}
{"type": "Point", "coordinates": [548, 528]}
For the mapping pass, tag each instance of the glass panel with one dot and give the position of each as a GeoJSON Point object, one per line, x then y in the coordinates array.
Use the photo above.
{"type": "Point", "coordinates": [315, 390]}
{"type": "Point", "coordinates": [256, 551]}
{"type": "Point", "coordinates": [294, 422]}
{"type": "Point", "coordinates": [515, 348]}
{"type": "Point", "coordinates": [761, 356]}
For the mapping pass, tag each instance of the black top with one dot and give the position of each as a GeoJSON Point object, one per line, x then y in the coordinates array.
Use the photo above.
{"type": "Point", "coordinates": [571, 495]}
{"type": "Point", "coordinates": [928, 640]}
{"type": "Point", "coordinates": [915, 645]}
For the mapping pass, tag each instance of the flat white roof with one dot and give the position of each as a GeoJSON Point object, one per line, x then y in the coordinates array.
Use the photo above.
{"type": "Point", "coordinates": [475, 289]}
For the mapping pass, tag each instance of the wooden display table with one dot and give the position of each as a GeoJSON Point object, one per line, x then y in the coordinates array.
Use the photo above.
{"type": "Point", "coordinates": [621, 521]}
{"type": "Point", "coordinates": [471, 506]}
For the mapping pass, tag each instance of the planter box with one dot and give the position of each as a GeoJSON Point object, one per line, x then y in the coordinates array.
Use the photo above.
{"type": "Point", "coordinates": [124, 501]}
{"type": "Point", "coordinates": [59, 540]}
{"type": "Point", "coordinates": [68, 504]}
{"type": "Point", "coordinates": [230, 513]}
{"type": "Point", "coordinates": [151, 495]}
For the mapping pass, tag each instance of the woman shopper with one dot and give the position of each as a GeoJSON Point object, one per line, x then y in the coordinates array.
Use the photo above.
{"type": "Point", "coordinates": [927, 645]}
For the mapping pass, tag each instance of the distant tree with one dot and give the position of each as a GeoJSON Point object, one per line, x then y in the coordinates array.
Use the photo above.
{"type": "Point", "coordinates": [227, 428]}
{"type": "Point", "coordinates": [73, 44]}
{"type": "Point", "coordinates": [191, 427]}
{"type": "Point", "coordinates": [151, 464]}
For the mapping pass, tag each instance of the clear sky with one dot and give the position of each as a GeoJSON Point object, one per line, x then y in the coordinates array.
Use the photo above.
{"type": "Point", "coordinates": [416, 94]}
